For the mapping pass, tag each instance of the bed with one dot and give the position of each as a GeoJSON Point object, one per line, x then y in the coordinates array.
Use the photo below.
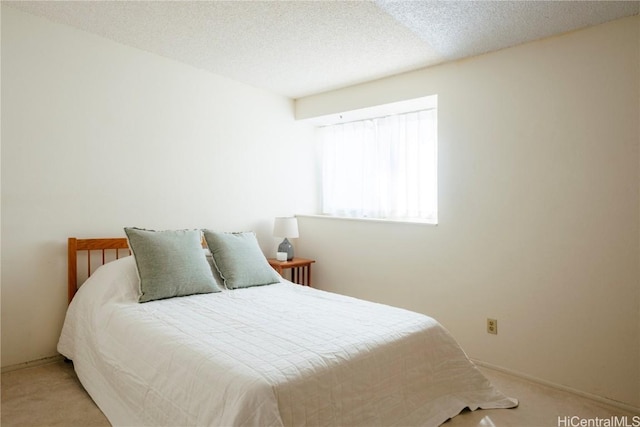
{"type": "Point", "coordinates": [276, 354]}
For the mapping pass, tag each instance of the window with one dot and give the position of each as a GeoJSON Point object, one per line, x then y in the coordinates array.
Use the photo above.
{"type": "Point", "coordinates": [383, 168]}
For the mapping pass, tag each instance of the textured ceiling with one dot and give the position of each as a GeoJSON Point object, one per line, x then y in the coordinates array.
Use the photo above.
{"type": "Point", "coordinates": [299, 48]}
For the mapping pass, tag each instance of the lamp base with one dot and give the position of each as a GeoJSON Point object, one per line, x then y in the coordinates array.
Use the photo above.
{"type": "Point", "coordinates": [287, 247]}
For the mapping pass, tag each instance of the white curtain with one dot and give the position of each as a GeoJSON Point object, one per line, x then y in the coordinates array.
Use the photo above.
{"type": "Point", "coordinates": [382, 168]}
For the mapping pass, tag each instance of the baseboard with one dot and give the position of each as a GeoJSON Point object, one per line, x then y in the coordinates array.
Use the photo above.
{"type": "Point", "coordinates": [31, 364]}
{"type": "Point", "coordinates": [600, 399]}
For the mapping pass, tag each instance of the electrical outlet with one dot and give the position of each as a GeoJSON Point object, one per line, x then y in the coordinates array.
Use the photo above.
{"type": "Point", "coordinates": [492, 326]}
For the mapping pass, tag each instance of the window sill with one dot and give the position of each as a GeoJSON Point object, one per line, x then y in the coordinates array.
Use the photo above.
{"type": "Point", "coordinates": [381, 220]}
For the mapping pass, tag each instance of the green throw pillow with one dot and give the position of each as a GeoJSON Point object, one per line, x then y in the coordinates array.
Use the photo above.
{"type": "Point", "coordinates": [170, 263]}
{"type": "Point", "coordinates": [238, 258]}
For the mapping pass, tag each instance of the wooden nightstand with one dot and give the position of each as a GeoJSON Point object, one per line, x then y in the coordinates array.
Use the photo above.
{"type": "Point", "coordinates": [300, 269]}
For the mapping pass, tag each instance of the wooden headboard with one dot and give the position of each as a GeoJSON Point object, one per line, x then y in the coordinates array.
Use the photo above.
{"type": "Point", "coordinates": [97, 253]}
{"type": "Point", "coordinates": [105, 249]}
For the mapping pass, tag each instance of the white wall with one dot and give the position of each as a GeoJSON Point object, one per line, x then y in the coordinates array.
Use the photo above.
{"type": "Point", "coordinates": [539, 210]}
{"type": "Point", "coordinates": [97, 136]}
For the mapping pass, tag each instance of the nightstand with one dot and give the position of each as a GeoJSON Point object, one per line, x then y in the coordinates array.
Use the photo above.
{"type": "Point", "coordinates": [300, 269]}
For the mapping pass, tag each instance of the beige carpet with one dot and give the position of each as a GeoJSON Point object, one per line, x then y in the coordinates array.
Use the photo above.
{"type": "Point", "coordinates": [47, 395]}
{"type": "Point", "coordinates": [50, 395]}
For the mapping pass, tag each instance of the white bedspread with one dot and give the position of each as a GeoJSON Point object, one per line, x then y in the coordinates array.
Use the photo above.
{"type": "Point", "coordinates": [272, 355]}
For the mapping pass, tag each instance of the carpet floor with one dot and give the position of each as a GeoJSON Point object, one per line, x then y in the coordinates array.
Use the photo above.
{"type": "Point", "coordinates": [51, 395]}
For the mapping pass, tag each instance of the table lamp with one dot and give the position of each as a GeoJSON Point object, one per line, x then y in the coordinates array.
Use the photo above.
{"type": "Point", "coordinates": [286, 227]}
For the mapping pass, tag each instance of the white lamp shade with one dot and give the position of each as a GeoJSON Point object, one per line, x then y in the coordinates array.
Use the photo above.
{"type": "Point", "coordinates": [285, 227]}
